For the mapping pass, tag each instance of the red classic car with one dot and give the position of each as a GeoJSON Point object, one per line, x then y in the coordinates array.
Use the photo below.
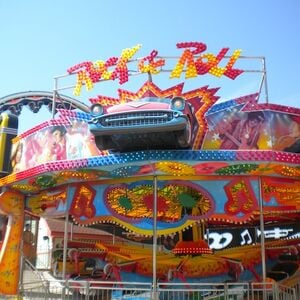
{"type": "Point", "coordinates": [147, 124]}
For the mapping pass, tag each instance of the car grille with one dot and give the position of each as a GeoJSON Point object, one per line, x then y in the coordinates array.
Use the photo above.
{"type": "Point", "coordinates": [144, 118]}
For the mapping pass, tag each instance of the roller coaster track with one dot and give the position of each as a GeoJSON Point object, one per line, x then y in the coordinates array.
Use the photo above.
{"type": "Point", "coordinates": [34, 100]}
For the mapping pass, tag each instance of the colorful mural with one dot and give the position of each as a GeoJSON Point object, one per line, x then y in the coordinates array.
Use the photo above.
{"type": "Point", "coordinates": [53, 142]}
{"type": "Point", "coordinates": [180, 203]}
{"type": "Point", "coordinates": [244, 157]}
{"type": "Point", "coordinates": [244, 124]}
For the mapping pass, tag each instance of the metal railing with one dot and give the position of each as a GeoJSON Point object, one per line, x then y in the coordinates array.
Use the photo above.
{"type": "Point", "coordinates": [33, 279]}
{"type": "Point", "coordinates": [42, 285]}
{"type": "Point", "coordinates": [104, 290]}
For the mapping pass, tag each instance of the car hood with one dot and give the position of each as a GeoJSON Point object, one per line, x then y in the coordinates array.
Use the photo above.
{"type": "Point", "coordinates": [138, 105]}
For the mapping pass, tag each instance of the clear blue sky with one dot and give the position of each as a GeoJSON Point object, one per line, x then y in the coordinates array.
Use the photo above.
{"type": "Point", "coordinates": [42, 39]}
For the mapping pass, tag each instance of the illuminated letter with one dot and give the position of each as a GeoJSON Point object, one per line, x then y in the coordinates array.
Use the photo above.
{"type": "Point", "coordinates": [151, 68]}
{"type": "Point", "coordinates": [187, 57]}
{"type": "Point", "coordinates": [82, 78]}
{"type": "Point", "coordinates": [211, 65]}
{"type": "Point", "coordinates": [121, 70]}
{"type": "Point", "coordinates": [233, 73]}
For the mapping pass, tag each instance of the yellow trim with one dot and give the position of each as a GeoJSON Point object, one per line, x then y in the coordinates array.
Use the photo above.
{"type": "Point", "coordinates": [4, 124]}
{"type": "Point", "coordinates": [149, 232]}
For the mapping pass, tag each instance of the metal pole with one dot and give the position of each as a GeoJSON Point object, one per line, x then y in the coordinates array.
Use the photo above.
{"type": "Point", "coordinates": [265, 79]}
{"type": "Point", "coordinates": [65, 244]}
{"type": "Point", "coordinates": [114, 236]}
{"type": "Point", "coordinates": [72, 230]}
{"type": "Point", "coordinates": [54, 98]}
{"type": "Point", "coordinates": [262, 232]}
{"type": "Point", "coordinates": [154, 251]}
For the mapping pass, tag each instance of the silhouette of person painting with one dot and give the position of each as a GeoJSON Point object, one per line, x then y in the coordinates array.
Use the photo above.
{"type": "Point", "coordinates": [240, 133]}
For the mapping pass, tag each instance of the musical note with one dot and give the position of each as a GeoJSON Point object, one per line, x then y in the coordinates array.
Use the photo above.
{"type": "Point", "coordinates": [82, 204]}
{"type": "Point", "coordinates": [246, 237]}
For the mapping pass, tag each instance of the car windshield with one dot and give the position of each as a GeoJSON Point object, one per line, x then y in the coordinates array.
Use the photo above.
{"type": "Point", "coordinates": [155, 99]}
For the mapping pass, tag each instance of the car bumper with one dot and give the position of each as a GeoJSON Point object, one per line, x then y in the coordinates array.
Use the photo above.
{"type": "Point", "coordinates": [174, 125]}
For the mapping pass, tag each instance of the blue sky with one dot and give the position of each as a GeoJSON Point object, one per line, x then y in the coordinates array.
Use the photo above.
{"type": "Point", "coordinates": [42, 39]}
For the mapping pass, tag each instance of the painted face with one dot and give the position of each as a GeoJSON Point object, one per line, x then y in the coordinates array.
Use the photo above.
{"type": "Point", "coordinates": [294, 130]}
{"type": "Point", "coordinates": [253, 123]}
{"type": "Point", "coordinates": [57, 136]}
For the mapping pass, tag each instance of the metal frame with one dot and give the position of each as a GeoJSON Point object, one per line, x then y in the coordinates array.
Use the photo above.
{"type": "Point", "coordinates": [263, 83]}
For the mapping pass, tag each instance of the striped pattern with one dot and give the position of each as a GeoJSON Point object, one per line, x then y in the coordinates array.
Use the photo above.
{"type": "Point", "coordinates": [7, 130]}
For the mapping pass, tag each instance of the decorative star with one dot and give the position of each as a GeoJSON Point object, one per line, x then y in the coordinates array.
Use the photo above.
{"type": "Point", "coordinates": [211, 127]}
{"type": "Point", "coordinates": [216, 137]}
{"type": "Point", "coordinates": [269, 143]}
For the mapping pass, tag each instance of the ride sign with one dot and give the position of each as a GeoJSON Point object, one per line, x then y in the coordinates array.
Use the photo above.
{"type": "Point", "coordinates": [192, 61]}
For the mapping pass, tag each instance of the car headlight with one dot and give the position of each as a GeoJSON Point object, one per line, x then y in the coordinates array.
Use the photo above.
{"type": "Point", "coordinates": [97, 109]}
{"type": "Point", "coordinates": [178, 103]}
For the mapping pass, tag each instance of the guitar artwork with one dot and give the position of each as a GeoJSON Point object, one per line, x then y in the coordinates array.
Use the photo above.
{"type": "Point", "coordinates": [240, 144]}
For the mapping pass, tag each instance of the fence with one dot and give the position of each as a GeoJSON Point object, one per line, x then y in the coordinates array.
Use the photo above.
{"type": "Point", "coordinates": [43, 259]}
{"type": "Point", "coordinates": [41, 285]}
{"type": "Point", "coordinates": [103, 290]}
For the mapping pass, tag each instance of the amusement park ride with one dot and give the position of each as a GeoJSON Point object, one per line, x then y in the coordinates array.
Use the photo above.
{"type": "Point", "coordinates": [192, 182]}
